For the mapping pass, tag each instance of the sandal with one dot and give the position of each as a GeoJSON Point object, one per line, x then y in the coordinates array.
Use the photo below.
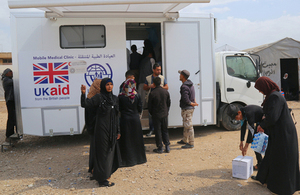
{"type": "Point", "coordinates": [255, 168]}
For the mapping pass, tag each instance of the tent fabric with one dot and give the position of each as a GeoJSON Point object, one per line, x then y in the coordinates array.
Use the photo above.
{"type": "Point", "coordinates": [271, 54]}
{"type": "Point", "coordinates": [265, 46]}
{"type": "Point", "coordinates": [226, 47]}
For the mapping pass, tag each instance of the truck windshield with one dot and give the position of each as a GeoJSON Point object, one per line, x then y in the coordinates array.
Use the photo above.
{"type": "Point", "coordinates": [241, 67]}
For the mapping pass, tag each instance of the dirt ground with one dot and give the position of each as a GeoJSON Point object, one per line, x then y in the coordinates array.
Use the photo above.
{"type": "Point", "coordinates": [58, 165]}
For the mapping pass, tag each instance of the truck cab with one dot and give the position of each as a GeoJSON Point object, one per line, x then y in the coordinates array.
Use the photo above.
{"type": "Point", "coordinates": [236, 74]}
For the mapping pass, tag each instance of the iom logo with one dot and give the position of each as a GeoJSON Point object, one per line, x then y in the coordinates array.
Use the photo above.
{"type": "Point", "coordinates": [97, 71]}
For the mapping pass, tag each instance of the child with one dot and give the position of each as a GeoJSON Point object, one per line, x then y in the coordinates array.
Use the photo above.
{"type": "Point", "coordinates": [251, 114]}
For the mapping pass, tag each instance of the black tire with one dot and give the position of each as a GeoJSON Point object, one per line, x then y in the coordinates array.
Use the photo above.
{"type": "Point", "coordinates": [228, 124]}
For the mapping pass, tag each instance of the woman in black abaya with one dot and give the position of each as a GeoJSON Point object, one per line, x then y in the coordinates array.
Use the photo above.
{"type": "Point", "coordinates": [106, 152]}
{"type": "Point", "coordinates": [90, 119]}
{"type": "Point", "coordinates": [131, 142]}
{"type": "Point", "coordinates": [280, 166]}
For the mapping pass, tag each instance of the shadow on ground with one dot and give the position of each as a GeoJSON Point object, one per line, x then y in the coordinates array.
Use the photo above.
{"type": "Point", "coordinates": [223, 182]}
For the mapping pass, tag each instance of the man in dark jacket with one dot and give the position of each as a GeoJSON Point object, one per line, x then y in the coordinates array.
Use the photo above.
{"type": "Point", "coordinates": [135, 59]}
{"type": "Point", "coordinates": [252, 115]}
{"type": "Point", "coordinates": [7, 82]}
{"type": "Point", "coordinates": [158, 105]}
{"type": "Point", "coordinates": [187, 104]}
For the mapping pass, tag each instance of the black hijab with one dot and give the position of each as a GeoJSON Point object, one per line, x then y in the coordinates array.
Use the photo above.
{"type": "Point", "coordinates": [108, 96]}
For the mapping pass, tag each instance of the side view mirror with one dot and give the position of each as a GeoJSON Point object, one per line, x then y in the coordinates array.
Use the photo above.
{"type": "Point", "coordinates": [248, 84]}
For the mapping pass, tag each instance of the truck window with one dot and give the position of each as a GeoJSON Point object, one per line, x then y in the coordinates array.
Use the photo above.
{"type": "Point", "coordinates": [82, 36]}
{"type": "Point", "coordinates": [241, 67]}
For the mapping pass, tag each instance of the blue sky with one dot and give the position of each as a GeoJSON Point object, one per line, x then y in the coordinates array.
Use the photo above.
{"type": "Point", "coordinates": [241, 23]}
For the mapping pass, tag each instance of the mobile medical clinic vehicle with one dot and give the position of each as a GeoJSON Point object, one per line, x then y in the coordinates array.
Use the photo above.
{"type": "Point", "coordinates": [73, 42]}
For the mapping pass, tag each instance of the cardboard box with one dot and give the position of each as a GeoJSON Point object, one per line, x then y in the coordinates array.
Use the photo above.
{"type": "Point", "coordinates": [242, 167]}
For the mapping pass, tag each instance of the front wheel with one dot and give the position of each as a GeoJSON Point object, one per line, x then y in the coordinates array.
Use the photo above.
{"type": "Point", "coordinates": [228, 124]}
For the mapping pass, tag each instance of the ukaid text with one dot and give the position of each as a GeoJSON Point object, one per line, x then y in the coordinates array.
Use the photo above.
{"type": "Point", "coordinates": [260, 143]}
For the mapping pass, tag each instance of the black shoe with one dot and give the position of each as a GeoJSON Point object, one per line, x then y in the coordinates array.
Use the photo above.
{"type": "Point", "coordinates": [181, 142]}
{"type": "Point", "coordinates": [7, 140]}
{"type": "Point", "coordinates": [92, 178]}
{"type": "Point", "coordinates": [106, 184]}
{"type": "Point", "coordinates": [186, 146]}
{"type": "Point", "coordinates": [158, 150]}
{"type": "Point", "coordinates": [167, 149]}
{"type": "Point", "coordinates": [149, 134]}
{"type": "Point", "coordinates": [254, 178]}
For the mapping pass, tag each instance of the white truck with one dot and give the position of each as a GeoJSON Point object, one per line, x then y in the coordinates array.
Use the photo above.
{"type": "Point", "coordinates": [72, 43]}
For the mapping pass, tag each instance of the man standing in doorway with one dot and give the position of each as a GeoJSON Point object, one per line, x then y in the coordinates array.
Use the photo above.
{"type": "Point", "coordinates": [149, 86]}
{"type": "Point", "coordinates": [145, 69]}
{"type": "Point", "coordinates": [135, 59]}
{"type": "Point", "coordinates": [187, 104]}
{"type": "Point", "coordinates": [285, 86]}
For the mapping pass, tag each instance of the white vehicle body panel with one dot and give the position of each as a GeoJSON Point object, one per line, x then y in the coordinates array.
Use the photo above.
{"type": "Point", "coordinates": [54, 109]}
{"type": "Point", "coordinates": [50, 105]}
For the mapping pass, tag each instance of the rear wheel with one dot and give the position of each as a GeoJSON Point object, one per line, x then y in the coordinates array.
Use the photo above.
{"type": "Point", "coordinates": [228, 124]}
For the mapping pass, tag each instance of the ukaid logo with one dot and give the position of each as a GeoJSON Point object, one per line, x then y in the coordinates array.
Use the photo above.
{"type": "Point", "coordinates": [97, 71]}
{"type": "Point", "coordinates": [54, 74]}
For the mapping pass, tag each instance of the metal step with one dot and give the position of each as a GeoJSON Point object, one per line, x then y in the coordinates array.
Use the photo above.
{"type": "Point", "coordinates": [145, 124]}
{"type": "Point", "coordinates": [145, 120]}
{"type": "Point", "coordinates": [145, 114]}
{"type": "Point", "coordinates": [15, 136]}
{"type": "Point", "coordinates": [6, 144]}
{"type": "Point", "coordinates": [12, 141]}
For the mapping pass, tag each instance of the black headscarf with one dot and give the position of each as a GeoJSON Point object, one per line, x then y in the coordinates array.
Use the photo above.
{"type": "Point", "coordinates": [108, 96]}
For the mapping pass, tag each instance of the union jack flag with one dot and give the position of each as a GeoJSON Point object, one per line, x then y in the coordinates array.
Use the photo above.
{"type": "Point", "coordinates": [46, 73]}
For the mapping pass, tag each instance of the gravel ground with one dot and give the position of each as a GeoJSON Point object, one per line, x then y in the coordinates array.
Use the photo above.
{"type": "Point", "coordinates": [58, 165]}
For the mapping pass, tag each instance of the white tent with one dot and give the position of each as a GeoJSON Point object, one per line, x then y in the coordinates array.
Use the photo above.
{"type": "Point", "coordinates": [278, 58]}
{"type": "Point", "coordinates": [226, 47]}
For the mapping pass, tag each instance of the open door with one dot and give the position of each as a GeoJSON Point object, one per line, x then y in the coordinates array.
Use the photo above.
{"type": "Point", "coordinates": [290, 85]}
{"type": "Point", "coordinates": [182, 51]}
{"type": "Point", "coordinates": [136, 34]}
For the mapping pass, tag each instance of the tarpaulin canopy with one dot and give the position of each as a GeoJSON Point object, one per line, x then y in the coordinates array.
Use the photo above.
{"type": "Point", "coordinates": [67, 8]}
{"type": "Point", "coordinates": [226, 47]}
